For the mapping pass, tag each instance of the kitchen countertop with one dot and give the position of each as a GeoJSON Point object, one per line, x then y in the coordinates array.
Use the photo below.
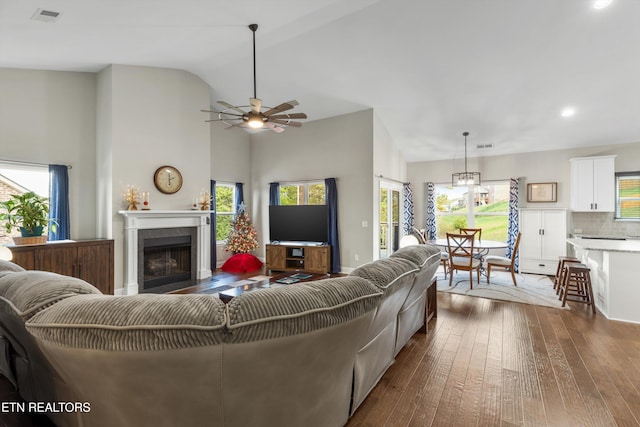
{"type": "Point", "coordinates": [600, 244]}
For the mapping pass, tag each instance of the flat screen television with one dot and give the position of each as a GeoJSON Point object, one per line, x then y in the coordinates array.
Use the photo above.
{"type": "Point", "coordinates": [300, 223]}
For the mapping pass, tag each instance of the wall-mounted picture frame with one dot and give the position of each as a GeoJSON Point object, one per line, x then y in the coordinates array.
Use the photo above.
{"type": "Point", "coordinates": [542, 192]}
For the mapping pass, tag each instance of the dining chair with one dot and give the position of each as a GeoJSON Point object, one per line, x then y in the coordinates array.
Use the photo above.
{"type": "Point", "coordinates": [477, 232]}
{"type": "Point", "coordinates": [504, 262]}
{"type": "Point", "coordinates": [444, 260]}
{"type": "Point", "coordinates": [408, 240]}
{"type": "Point", "coordinates": [461, 256]}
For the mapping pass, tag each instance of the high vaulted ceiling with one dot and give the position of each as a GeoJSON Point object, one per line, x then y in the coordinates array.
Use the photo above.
{"type": "Point", "coordinates": [501, 69]}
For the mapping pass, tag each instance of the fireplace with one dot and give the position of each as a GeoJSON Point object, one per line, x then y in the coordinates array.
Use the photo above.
{"type": "Point", "coordinates": [166, 259]}
{"type": "Point", "coordinates": [173, 246]}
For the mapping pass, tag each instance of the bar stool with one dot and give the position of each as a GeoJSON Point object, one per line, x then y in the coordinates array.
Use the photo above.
{"type": "Point", "coordinates": [577, 283]}
{"type": "Point", "coordinates": [562, 261]}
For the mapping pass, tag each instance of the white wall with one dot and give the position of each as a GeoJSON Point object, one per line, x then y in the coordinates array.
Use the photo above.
{"type": "Point", "coordinates": [50, 117]}
{"type": "Point", "coordinates": [339, 147]}
{"type": "Point", "coordinates": [149, 118]}
{"type": "Point", "coordinates": [389, 165]}
{"type": "Point", "coordinates": [231, 162]}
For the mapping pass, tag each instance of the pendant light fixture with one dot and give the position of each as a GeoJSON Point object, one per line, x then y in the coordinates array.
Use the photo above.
{"type": "Point", "coordinates": [465, 178]}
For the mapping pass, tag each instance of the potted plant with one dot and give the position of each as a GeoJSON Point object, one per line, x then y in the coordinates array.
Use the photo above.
{"type": "Point", "coordinates": [28, 213]}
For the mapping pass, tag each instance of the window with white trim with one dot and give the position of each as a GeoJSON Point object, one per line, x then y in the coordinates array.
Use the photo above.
{"type": "Point", "coordinates": [308, 193]}
{"type": "Point", "coordinates": [225, 210]}
{"type": "Point", "coordinates": [19, 179]}
{"type": "Point", "coordinates": [628, 195]}
{"type": "Point", "coordinates": [483, 206]}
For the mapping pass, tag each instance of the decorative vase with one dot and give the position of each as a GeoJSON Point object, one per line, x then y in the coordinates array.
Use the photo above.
{"type": "Point", "coordinates": [37, 231]}
{"type": "Point", "coordinates": [33, 237]}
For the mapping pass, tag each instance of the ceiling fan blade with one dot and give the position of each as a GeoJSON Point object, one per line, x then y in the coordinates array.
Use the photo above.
{"type": "Point", "coordinates": [282, 107]}
{"type": "Point", "coordinates": [220, 112]}
{"type": "Point", "coordinates": [286, 123]}
{"type": "Point", "coordinates": [233, 107]}
{"type": "Point", "coordinates": [289, 116]}
{"type": "Point", "coordinates": [237, 125]}
{"type": "Point", "coordinates": [223, 120]}
{"type": "Point", "coordinates": [256, 104]}
{"type": "Point", "coordinates": [274, 128]}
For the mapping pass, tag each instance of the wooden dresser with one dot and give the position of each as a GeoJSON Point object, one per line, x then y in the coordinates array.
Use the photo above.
{"type": "Point", "coordinates": [89, 260]}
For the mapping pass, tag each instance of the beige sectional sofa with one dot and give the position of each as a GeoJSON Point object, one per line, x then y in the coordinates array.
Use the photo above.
{"type": "Point", "coordinates": [403, 279]}
{"type": "Point", "coordinates": [294, 355]}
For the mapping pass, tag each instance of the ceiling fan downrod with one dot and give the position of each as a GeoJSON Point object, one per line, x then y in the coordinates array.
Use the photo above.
{"type": "Point", "coordinates": [253, 28]}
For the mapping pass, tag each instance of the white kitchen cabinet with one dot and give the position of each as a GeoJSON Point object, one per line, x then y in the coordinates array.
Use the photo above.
{"type": "Point", "coordinates": [593, 184]}
{"type": "Point", "coordinates": [544, 239]}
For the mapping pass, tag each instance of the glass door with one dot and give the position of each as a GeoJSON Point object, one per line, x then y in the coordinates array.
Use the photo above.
{"type": "Point", "coordinates": [389, 218]}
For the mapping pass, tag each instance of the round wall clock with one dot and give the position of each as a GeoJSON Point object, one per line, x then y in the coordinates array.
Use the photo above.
{"type": "Point", "coordinates": [167, 179]}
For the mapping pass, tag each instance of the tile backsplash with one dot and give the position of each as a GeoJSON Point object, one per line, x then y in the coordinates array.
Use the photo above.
{"type": "Point", "coordinates": [602, 224]}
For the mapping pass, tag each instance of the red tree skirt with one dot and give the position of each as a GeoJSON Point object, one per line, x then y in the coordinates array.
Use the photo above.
{"type": "Point", "coordinates": [242, 263]}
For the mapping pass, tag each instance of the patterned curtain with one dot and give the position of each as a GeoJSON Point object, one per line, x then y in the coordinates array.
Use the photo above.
{"type": "Point", "coordinates": [512, 228]}
{"type": "Point", "coordinates": [409, 219]}
{"type": "Point", "coordinates": [431, 211]}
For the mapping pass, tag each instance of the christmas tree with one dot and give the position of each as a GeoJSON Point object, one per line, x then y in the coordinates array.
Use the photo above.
{"type": "Point", "coordinates": [242, 238]}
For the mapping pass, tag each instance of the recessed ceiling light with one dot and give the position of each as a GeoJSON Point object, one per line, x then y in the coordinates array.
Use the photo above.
{"type": "Point", "coordinates": [568, 112]}
{"type": "Point", "coordinates": [601, 4]}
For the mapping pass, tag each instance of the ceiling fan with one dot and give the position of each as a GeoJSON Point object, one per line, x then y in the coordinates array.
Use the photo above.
{"type": "Point", "coordinates": [273, 118]}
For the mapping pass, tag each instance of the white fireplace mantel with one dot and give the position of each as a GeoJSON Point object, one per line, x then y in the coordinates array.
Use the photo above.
{"type": "Point", "coordinates": [139, 220]}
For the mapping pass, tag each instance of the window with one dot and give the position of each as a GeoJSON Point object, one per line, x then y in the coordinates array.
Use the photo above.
{"type": "Point", "coordinates": [225, 210]}
{"type": "Point", "coordinates": [628, 195]}
{"type": "Point", "coordinates": [311, 193]}
{"type": "Point", "coordinates": [485, 206]}
{"type": "Point", "coordinates": [18, 179]}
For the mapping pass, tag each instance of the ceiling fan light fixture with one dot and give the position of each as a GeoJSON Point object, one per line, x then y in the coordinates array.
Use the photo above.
{"type": "Point", "coordinates": [273, 118]}
{"type": "Point", "coordinates": [255, 121]}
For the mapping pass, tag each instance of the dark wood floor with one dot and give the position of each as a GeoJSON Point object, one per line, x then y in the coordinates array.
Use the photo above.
{"type": "Point", "coordinates": [491, 363]}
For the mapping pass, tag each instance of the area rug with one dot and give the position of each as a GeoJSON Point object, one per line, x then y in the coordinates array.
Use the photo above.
{"type": "Point", "coordinates": [532, 289]}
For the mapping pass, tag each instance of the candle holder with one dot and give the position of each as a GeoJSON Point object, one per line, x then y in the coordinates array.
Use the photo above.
{"type": "Point", "coordinates": [145, 201]}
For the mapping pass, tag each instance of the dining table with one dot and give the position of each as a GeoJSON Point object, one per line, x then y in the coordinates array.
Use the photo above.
{"type": "Point", "coordinates": [482, 246]}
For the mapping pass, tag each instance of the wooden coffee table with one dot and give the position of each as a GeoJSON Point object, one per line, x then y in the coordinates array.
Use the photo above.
{"type": "Point", "coordinates": [276, 281]}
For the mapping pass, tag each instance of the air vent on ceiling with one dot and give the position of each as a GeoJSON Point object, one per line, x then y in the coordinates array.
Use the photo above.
{"type": "Point", "coordinates": [45, 15]}
{"type": "Point", "coordinates": [484, 146]}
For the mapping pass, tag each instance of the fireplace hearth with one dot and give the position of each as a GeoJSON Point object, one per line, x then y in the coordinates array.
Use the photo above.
{"type": "Point", "coordinates": [137, 223]}
{"type": "Point", "coordinates": [166, 259]}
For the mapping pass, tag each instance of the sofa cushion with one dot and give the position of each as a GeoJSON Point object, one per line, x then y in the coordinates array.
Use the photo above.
{"type": "Point", "coordinates": [299, 308]}
{"type": "Point", "coordinates": [132, 323]}
{"type": "Point", "coordinates": [421, 255]}
{"type": "Point", "coordinates": [385, 273]}
{"type": "Point", "coordinates": [28, 292]}
{"type": "Point", "coordinates": [9, 266]}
